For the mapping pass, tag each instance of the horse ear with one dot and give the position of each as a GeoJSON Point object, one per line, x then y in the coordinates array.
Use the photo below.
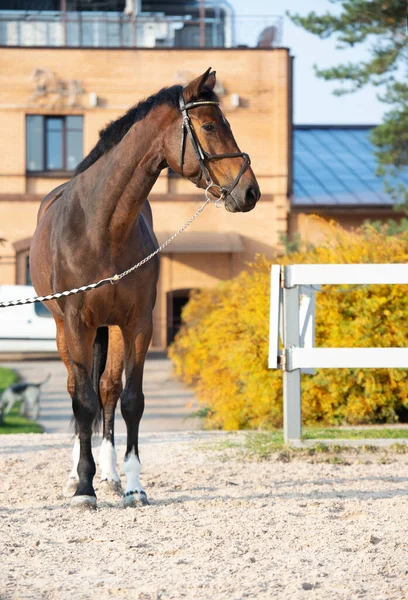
{"type": "Point", "coordinates": [211, 81]}
{"type": "Point", "coordinates": [196, 87]}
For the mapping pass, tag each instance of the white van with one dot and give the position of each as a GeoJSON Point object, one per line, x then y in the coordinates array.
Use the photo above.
{"type": "Point", "coordinates": [25, 328]}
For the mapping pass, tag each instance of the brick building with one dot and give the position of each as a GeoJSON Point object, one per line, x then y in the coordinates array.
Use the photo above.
{"type": "Point", "coordinates": [53, 102]}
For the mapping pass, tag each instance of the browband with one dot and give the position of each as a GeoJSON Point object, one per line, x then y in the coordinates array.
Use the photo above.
{"type": "Point", "coordinates": [200, 103]}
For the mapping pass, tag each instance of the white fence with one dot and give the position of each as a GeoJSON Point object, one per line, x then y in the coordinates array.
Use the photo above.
{"type": "Point", "coordinates": [292, 320]}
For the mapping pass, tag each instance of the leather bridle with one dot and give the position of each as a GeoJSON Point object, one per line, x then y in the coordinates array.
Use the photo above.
{"type": "Point", "coordinates": [202, 156]}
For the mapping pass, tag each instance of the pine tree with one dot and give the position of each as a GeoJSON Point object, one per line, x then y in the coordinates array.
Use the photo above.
{"type": "Point", "coordinates": [383, 24]}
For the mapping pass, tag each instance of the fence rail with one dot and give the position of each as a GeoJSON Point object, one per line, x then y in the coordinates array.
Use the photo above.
{"type": "Point", "coordinates": [292, 321]}
{"type": "Point", "coordinates": [345, 274]}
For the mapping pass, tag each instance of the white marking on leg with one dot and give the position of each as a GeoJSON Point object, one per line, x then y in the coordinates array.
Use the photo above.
{"type": "Point", "coordinates": [75, 459]}
{"type": "Point", "coordinates": [132, 469]}
{"type": "Point", "coordinates": [72, 481]}
{"type": "Point", "coordinates": [107, 461]}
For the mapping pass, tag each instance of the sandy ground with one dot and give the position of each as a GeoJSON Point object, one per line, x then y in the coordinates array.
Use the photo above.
{"type": "Point", "coordinates": [217, 527]}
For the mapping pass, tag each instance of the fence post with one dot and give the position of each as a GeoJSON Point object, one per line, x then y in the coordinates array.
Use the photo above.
{"type": "Point", "coordinates": [292, 409]}
{"type": "Point", "coordinates": [274, 316]}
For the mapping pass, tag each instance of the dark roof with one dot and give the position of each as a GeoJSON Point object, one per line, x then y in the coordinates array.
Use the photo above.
{"type": "Point", "coordinates": [335, 166]}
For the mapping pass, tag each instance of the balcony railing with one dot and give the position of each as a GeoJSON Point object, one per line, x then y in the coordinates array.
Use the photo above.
{"type": "Point", "coordinates": [120, 30]}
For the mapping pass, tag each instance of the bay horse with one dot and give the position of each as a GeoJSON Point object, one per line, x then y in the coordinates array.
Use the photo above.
{"type": "Point", "coordinates": [100, 223]}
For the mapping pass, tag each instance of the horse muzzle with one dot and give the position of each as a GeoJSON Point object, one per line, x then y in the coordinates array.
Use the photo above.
{"type": "Point", "coordinates": [243, 200]}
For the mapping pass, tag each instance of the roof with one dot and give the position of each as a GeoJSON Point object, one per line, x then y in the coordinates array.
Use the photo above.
{"type": "Point", "coordinates": [201, 241]}
{"type": "Point", "coordinates": [335, 166]}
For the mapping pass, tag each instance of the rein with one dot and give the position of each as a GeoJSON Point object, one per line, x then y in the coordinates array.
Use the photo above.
{"type": "Point", "coordinates": [202, 158]}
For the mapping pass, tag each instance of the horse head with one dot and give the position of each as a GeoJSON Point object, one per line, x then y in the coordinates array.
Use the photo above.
{"type": "Point", "coordinates": [202, 148]}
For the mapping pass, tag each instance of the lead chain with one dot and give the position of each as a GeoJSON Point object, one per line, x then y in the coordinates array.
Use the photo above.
{"type": "Point", "coordinates": [115, 278]}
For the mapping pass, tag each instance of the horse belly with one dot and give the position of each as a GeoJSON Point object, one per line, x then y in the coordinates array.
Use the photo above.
{"type": "Point", "coordinates": [135, 295]}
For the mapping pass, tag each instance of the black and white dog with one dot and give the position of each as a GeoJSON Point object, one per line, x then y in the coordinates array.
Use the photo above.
{"type": "Point", "coordinates": [28, 394]}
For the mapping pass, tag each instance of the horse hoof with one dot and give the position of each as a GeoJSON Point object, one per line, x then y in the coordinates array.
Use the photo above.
{"type": "Point", "coordinates": [110, 486]}
{"type": "Point", "coordinates": [135, 499]}
{"type": "Point", "coordinates": [70, 487]}
{"type": "Point", "coordinates": [83, 502]}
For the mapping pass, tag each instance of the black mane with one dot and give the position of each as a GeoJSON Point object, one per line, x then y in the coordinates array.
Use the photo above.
{"type": "Point", "coordinates": [115, 131]}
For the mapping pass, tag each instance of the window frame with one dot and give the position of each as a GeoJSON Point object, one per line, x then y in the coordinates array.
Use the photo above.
{"type": "Point", "coordinates": [45, 172]}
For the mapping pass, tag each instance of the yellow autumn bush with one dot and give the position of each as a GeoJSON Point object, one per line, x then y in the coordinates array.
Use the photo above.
{"type": "Point", "coordinates": [222, 347]}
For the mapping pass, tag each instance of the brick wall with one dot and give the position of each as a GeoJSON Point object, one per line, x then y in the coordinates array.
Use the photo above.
{"type": "Point", "coordinates": [120, 78]}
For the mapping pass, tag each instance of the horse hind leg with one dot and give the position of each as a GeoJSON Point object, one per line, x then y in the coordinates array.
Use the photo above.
{"type": "Point", "coordinates": [110, 388]}
{"type": "Point", "coordinates": [71, 484]}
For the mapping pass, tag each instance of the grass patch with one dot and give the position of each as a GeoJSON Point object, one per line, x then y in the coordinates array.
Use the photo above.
{"type": "Point", "coordinates": [374, 433]}
{"type": "Point", "coordinates": [7, 377]}
{"type": "Point", "coordinates": [261, 446]}
{"type": "Point", "coordinates": [14, 422]}
{"type": "Point", "coordinates": [265, 441]}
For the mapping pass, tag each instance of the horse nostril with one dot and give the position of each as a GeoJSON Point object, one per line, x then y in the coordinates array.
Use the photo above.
{"type": "Point", "coordinates": [251, 196]}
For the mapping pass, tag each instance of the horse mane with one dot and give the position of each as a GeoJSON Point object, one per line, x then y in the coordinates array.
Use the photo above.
{"type": "Point", "coordinates": [115, 131]}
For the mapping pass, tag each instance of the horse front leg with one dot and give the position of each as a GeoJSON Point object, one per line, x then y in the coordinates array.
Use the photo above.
{"type": "Point", "coordinates": [132, 407]}
{"type": "Point", "coordinates": [85, 403]}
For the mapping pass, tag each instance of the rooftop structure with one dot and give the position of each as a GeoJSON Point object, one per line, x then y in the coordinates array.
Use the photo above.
{"type": "Point", "coordinates": [133, 23]}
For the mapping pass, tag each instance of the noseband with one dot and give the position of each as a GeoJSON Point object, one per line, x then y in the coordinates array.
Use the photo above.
{"type": "Point", "coordinates": [202, 156]}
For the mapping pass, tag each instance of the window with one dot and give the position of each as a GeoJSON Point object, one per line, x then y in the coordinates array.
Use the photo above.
{"type": "Point", "coordinates": [53, 143]}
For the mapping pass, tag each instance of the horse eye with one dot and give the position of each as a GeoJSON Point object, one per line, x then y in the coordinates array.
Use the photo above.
{"type": "Point", "coordinates": [210, 127]}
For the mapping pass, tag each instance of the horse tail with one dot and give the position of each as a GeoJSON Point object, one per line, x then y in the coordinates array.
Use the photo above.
{"type": "Point", "coordinates": [100, 353]}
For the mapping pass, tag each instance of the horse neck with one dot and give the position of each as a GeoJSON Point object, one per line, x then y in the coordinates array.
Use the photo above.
{"type": "Point", "coordinates": [126, 176]}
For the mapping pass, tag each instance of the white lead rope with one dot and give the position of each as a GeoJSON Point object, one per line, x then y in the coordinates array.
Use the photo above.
{"type": "Point", "coordinates": [115, 278]}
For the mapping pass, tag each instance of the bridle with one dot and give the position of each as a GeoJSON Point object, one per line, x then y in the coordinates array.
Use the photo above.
{"type": "Point", "coordinates": [202, 156]}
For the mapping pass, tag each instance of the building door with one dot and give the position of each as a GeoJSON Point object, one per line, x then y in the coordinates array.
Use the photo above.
{"type": "Point", "coordinates": [176, 299]}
